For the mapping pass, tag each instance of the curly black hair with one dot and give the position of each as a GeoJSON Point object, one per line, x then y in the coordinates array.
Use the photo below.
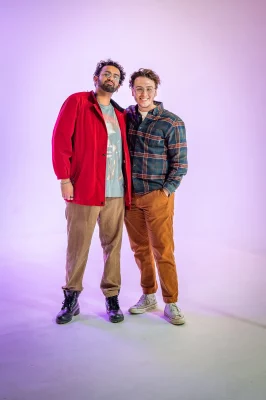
{"type": "Point", "coordinates": [147, 73]}
{"type": "Point", "coordinates": [103, 63]}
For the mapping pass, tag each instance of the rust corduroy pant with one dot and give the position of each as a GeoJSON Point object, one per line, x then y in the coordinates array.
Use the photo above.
{"type": "Point", "coordinates": [149, 225]}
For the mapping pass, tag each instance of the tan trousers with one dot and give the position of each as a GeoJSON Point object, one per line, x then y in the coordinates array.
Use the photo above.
{"type": "Point", "coordinates": [81, 221]}
{"type": "Point", "coordinates": [149, 225]}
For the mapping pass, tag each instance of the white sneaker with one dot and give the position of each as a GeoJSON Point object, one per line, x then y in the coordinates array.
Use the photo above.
{"type": "Point", "coordinates": [173, 314]}
{"type": "Point", "coordinates": [146, 302]}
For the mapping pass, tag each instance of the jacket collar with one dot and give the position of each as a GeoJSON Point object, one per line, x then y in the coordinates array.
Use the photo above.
{"type": "Point", "coordinates": [93, 99]}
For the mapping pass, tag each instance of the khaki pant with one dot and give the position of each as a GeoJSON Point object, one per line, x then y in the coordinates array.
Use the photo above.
{"type": "Point", "coordinates": [149, 225]}
{"type": "Point", "coordinates": [81, 221]}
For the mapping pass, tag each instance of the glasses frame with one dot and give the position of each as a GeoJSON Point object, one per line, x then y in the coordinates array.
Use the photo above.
{"type": "Point", "coordinates": [141, 90]}
{"type": "Point", "coordinates": [108, 75]}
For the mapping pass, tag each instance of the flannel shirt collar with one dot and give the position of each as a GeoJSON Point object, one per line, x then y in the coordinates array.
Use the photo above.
{"type": "Point", "coordinates": [158, 110]}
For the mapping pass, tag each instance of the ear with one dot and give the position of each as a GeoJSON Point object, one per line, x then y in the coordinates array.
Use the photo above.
{"type": "Point", "coordinates": [155, 94]}
{"type": "Point", "coordinates": [132, 92]}
{"type": "Point", "coordinates": [95, 79]}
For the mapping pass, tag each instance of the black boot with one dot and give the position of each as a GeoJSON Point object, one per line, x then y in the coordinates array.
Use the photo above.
{"type": "Point", "coordinates": [113, 310]}
{"type": "Point", "coordinates": [70, 307]}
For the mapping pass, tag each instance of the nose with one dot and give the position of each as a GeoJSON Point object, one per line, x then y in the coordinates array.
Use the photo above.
{"type": "Point", "coordinates": [144, 91]}
{"type": "Point", "coordinates": [111, 78]}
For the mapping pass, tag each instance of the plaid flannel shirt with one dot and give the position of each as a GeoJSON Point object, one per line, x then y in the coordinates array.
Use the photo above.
{"type": "Point", "coordinates": [158, 149]}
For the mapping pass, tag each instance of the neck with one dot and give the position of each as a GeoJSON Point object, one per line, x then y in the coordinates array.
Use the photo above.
{"type": "Point", "coordinates": [146, 109]}
{"type": "Point", "coordinates": [103, 97]}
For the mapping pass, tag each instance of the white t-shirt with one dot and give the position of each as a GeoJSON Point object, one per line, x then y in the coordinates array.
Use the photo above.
{"type": "Point", "coordinates": [114, 174]}
{"type": "Point", "coordinates": [143, 114]}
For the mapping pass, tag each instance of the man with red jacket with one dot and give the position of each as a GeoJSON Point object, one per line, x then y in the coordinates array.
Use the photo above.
{"type": "Point", "coordinates": [91, 158]}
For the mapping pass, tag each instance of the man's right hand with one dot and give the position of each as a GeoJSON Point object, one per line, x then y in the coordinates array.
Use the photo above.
{"type": "Point", "coordinates": [67, 189]}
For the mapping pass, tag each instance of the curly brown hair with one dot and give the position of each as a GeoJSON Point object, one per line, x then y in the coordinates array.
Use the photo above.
{"type": "Point", "coordinates": [147, 73]}
{"type": "Point", "coordinates": [103, 63]}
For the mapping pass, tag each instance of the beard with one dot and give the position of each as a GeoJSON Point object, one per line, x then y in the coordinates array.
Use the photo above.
{"type": "Point", "coordinates": [107, 87]}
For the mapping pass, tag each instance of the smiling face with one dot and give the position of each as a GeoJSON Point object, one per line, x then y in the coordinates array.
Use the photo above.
{"type": "Point", "coordinates": [144, 92]}
{"type": "Point", "coordinates": [108, 80]}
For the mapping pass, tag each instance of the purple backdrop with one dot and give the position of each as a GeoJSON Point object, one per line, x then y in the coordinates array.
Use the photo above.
{"type": "Point", "coordinates": [210, 55]}
{"type": "Point", "coordinates": [211, 58]}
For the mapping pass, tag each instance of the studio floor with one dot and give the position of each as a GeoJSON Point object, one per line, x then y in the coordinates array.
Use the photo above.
{"type": "Point", "coordinates": [219, 354]}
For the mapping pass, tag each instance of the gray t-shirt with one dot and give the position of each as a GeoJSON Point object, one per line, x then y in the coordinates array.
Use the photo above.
{"type": "Point", "coordinates": [114, 175]}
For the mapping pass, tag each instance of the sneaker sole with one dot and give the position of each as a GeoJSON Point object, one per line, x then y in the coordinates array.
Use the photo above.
{"type": "Point", "coordinates": [142, 310]}
{"type": "Point", "coordinates": [174, 321]}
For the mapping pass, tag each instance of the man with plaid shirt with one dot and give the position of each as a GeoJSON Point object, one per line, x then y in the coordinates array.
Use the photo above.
{"type": "Point", "coordinates": [158, 149]}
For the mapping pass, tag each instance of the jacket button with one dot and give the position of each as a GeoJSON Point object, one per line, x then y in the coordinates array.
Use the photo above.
{"type": "Point", "coordinates": [104, 154]}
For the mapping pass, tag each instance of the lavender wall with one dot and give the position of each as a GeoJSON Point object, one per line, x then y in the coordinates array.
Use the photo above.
{"type": "Point", "coordinates": [211, 58]}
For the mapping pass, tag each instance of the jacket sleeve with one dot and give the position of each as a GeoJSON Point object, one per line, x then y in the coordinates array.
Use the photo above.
{"type": "Point", "coordinates": [62, 137]}
{"type": "Point", "coordinates": [176, 155]}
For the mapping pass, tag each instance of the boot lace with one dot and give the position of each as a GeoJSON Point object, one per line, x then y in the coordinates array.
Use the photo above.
{"type": "Point", "coordinates": [69, 301]}
{"type": "Point", "coordinates": [113, 303]}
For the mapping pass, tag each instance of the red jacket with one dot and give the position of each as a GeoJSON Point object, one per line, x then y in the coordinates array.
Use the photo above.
{"type": "Point", "coordinates": [79, 148]}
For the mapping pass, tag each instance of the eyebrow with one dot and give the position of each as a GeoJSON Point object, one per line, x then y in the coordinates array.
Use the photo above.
{"type": "Point", "coordinates": [141, 87]}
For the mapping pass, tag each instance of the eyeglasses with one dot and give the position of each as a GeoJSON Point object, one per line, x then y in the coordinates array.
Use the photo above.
{"type": "Point", "coordinates": [108, 75]}
{"type": "Point", "coordinates": [141, 90]}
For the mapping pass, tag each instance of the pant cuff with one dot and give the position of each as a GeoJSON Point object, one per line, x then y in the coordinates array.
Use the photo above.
{"type": "Point", "coordinates": [111, 294]}
{"type": "Point", "coordinates": [169, 300]}
{"type": "Point", "coordinates": [73, 289]}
